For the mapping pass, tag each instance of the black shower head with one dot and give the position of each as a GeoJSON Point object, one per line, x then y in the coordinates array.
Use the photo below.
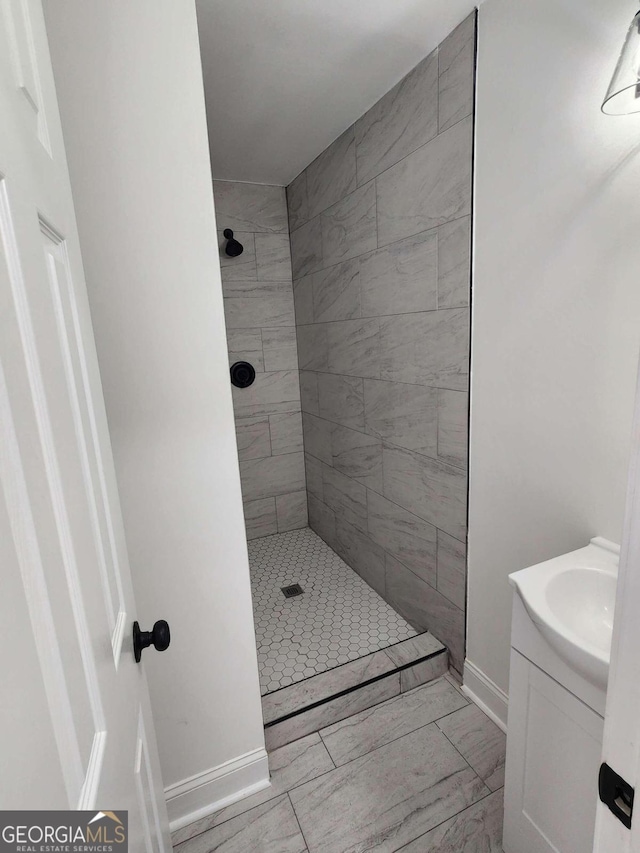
{"type": "Point", "coordinates": [233, 247]}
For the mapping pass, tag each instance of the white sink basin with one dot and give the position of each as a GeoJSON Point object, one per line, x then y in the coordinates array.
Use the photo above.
{"type": "Point", "coordinates": [571, 600]}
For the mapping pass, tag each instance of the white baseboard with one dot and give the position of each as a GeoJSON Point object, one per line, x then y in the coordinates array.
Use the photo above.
{"type": "Point", "coordinates": [208, 792]}
{"type": "Point", "coordinates": [485, 694]}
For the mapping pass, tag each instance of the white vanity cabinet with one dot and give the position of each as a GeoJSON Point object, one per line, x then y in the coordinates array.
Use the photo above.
{"type": "Point", "coordinates": [554, 744]}
{"type": "Point", "coordinates": [553, 757]}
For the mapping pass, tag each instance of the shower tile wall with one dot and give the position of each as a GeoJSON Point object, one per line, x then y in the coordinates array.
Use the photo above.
{"type": "Point", "coordinates": [380, 240]}
{"type": "Point", "coordinates": [259, 314]}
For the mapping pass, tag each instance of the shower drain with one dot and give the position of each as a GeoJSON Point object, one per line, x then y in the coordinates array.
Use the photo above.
{"type": "Point", "coordinates": [291, 591]}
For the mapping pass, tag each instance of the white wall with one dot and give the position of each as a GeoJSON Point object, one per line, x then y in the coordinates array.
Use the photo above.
{"type": "Point", "coordinates": [556, 314]}
{"type": "Point", "coordinates": [300, 72]}
{"type": "Point", "coordinates": [131, 98]}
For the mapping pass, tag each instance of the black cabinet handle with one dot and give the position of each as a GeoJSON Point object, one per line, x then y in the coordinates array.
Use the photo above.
{"type": "Point", "coordinates": [159, 638]}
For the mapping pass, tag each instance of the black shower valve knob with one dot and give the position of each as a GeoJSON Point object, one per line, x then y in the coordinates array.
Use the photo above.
{"type": "Point", "coordinates": [243, 374]}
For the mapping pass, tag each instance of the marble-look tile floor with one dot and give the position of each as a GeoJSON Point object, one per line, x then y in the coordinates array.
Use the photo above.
{"type": "Point", "coordinates": [339, 618]}
{"type": "Point", "coordinates": [421, 773]}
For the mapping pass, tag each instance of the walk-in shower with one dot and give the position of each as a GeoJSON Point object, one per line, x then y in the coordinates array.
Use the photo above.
{"type": "Point", "coordinates": [350, 301]}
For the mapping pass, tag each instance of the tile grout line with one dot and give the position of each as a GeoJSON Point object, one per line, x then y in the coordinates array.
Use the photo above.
{"type": "Point", "coordinates": [462, 756]}
{"type": "Point", "coordinates": [295, 814]}
{"type": "Point", "coordinates": [442, 822]}
{"type": "Point", "coordinates": [395, 739]}
{"type": "Point", "coordinates": [345, 764]}
{"type": "Point", "coordinates": [335, 766]}
{"type": "Point", "coordinates": [378, 174]}
{"type": "Point", "coordinates": [384, 441]}
{"type": "Point", "coordinates": [380, 494]}
{"type": "Point", "coordinates": [434, 229]}
{"type": "Point", "coordinates": [387, 743]}
{"type": "Point", "coordinates": [374, 379]}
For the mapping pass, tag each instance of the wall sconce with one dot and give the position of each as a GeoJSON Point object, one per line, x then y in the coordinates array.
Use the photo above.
{"type": "Point", "coordinates": [623, 96]}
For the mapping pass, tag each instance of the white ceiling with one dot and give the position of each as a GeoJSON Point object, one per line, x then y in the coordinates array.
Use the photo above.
{"type": "Point", "coordinates": [283, 78]}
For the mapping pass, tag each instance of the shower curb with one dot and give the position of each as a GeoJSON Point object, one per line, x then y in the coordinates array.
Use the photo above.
{"type": "Point", "coordinates": [336, 705]}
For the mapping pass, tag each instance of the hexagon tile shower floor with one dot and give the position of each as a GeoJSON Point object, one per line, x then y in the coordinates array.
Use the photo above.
{"type": "Point", "coordinates": [337, 618]}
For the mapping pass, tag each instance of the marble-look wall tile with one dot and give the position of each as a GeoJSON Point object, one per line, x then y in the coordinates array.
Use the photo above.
{"type": "Point", "coordinates": [349, 227]}
{"type": "Point", "coordinates": [479, 741]}
{"type": "Point", "coordinates": [273, 257]}
{"type": "Point", "coordinates": [434, 667]}
{"type": "Point", "coordinates": [452, 569]}
{"type": "Point", "coordinates": [317, 437]}
{"type": "Point", "coordinates": [401, 121]}
{"type": "Point", "coordinates": [261, 329]}
{"type": "Point", "coordinates": [409, 538]}
{"type": "Point", "coordinates": [357, 455]}
{"type": "Point", "coordinates": [457, 57]}
{"type": "Point", "coordinates": [454, 263]}
{"type": "Point", "coordinates": [353, 347]}
{"type": "Point", "coordinates": [332, 175]}
{"type": "Point", "coordinates": [359, 552]}
{"type": "Point", "coordinates": [401, 278]}
{"type": "Point", "coordinates": [414, 648]}
{"type": "Point", "coordinates": [425, 608]}
{"type": "Point", "coordinates": [313, 469]}
{"type": "Point", "coordinates": [263, 304]}
{"type": "Point", "coordinates": [253, 437]}
{"type": "Point", "coordinates": [433, 490]}
{"type": "Point", "coordinates": [303, 300]}
{"type": "Point", "coordinates": [341, 400]}
{"type": "Point", "coordinates": [394, 250]}
{"type": "Point", "coordinates": [309, 392]}
{"type": "Point", "coordinates": [420, 780]}
{"type": "Point", "coordinates": [280, 348]}
{"type": "Point", "coordinates": [286, 433]}
{"type": "Point", "coordinates": [242, 267]}
{"type": "Point", "coordinates": [246, 345]}
{"type": "Point", "coordinates": [371, 729]}
{"type": "Point", "coordinates": [275, 475]}
{"type": "Point", "coordinates": [406, 415]}
{"type": "Point", "coordinates": [250, 207]}
{"type": "Point", "coordinates": [322, 521]}
{"type": "Point", "coordinates": [297, 201]}
{"type": "Point", "coordinates": [306, 248]}
{"type": "Point", "coordinates": [477, 828]}
{"type": "Point", "coordinates": [427, 188]}
{"type": "Point", "coordinates": [336, 292]}
{"type": "Point", "coordinates": [271, 393]}
{"type": "Point", "coordinates": [453, 418]}
{"type": "Point", "coordinates": [423, 673]}
{"type": "Point", "coordinates": [426, 349]}
{"type": "Point", "coordinates": [260, 517]}
{"type": "Point", "coordinates": [313, 347]}
{"type": "Point", "coordinates": [346, 497]}
{"type": "Point", "coordinates": [291, 511]}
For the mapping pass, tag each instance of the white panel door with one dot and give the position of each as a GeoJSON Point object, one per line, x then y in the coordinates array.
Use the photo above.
{"type": "Point", "coordinates": [75, 725]}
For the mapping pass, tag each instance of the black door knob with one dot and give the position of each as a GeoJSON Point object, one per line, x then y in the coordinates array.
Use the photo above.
{"type": "Point", "coordinates": [159, 638]}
